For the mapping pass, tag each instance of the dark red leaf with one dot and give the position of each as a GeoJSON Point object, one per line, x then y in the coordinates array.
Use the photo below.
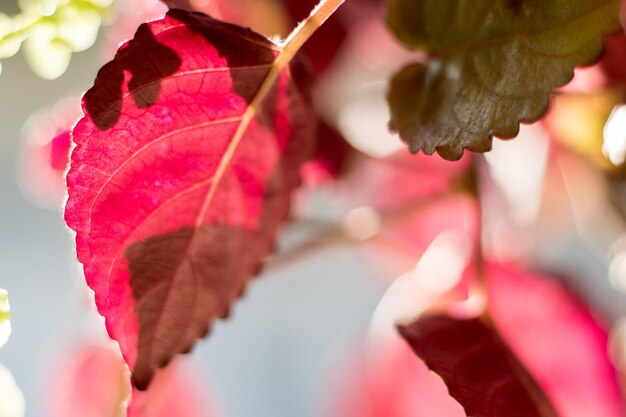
{"type": "Point", "coordinates": [324, 45]}
{"type": "Point", "coordinates": [552, 333]}
{"type": "Point", "coordinates": [613, 62]}
{"type": "Point", "coordinates": [479, 369]}
{"type": "Point", "coordinates": [536, 324]}
{"type": "Point", "coordinates": [181, 176]}
{"type": "Point", "coordinates": [332, 156]}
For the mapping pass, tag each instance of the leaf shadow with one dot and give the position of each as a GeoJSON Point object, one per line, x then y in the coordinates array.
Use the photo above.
{"type": "Point", "coordinates": [148, 61]}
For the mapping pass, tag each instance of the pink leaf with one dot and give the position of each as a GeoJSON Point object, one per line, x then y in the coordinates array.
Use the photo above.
{"type": "Point", "coordinates": [191, 5]}
{"type": "Point", "coordinates": [173, 393]}
{"type": "Point", "coordinates": [548, 332]}
{"type": "Point", "coordinates": [480, 371]}
{"type": "Point", "coordinates": [45, 156]}
{"type": "Point", "coordinates": [390, 381]}
{"type": "Point", "coordinates": [181, 176]}
{"type": "Point", "coordinates": [93, 382]}
{"type": "Point", "coordinates": [401, 178]}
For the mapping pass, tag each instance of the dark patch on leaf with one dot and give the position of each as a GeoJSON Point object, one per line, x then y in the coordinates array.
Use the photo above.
{"type": "Point", "coordinates": [181, 281]}
{"type": "Point", "coordinates": [191, 236]}
{"type": "Point", "coordinates": [244, 48]}
{"type": "Point", "coordinates": [147, 60]}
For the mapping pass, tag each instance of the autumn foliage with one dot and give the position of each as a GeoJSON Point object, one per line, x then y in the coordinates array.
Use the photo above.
{"type": "Point", "coordinates": [204, 137]}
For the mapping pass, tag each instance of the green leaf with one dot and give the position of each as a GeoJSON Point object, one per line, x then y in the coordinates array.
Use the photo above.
{"type": "Point", "coordinates": [492, 65]}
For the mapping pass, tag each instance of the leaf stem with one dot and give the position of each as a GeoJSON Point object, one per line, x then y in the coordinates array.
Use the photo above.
{"type": "Point", "coordinates": [290, 47]}
{"type": "Point", "coordinates": [545, 407]}
{"type": "Point", "coordinates": [479, 256]}
{"type": "Point", "coordinates": [308, 26]}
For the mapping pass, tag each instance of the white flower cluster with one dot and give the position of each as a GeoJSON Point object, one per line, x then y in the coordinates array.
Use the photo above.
{"type": "Point", "coordinates": [11, 398]}
{"type": "Point", "coordinates": [49, 31]}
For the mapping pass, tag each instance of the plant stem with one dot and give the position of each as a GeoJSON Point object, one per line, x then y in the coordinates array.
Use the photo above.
{"type": "Point", "coordinates": [545, 407]}
{"type": "Point", "coordinates": [296, 39]}
{"type": "Point", "coordinates": [308, 26]}
{"type": "Point", "coordinates": [290, 47]}
{"type": "Point", "coordinates": [335, 235]}
{"type": "Point", "coordinates": [481, 278]}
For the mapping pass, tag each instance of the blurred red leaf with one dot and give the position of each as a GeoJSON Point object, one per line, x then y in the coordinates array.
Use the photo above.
{"type": "Point", "coordinates": [60, 151]}
{"type": "Point", "coordinates": [401, 178]}
{"type": "Point", "coordinates": [546, 328]}
{"type": "Point", "coordinates": [558, 339]}
{"type": "Point", "coordinates": [332, 156]}
{"type": "Point", "coordinates": [45, 155]}
{"type": "Point", "coordinates": [191, 5]}
{"type": "Point", "coordinates": [93, 382]}
{"type": "Point", "coordinates": [324, 45]}
{"type": "Point", "coordinates": [267, 17]}
{"type": "Point", "coordinates": [391, 382]}
{"type": "Point", "coordinates": [481, 372]}
{"type": "Point", "coordinates": [613, 62]}
{"type": "Point", "coordinates": [175, 392]}
{"type": "Point", "coordinates": [554, 336]}
{"type": "Point", "coordinates": [181, 175]}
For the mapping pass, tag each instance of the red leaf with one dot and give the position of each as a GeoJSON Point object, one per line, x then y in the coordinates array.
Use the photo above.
{"type": "Point", "coordinates": [546, 328]}
{"type": "Point", "coordinates": [389, 381]}
{"type": "Point", "coordinates": [400, 179]}
{"type": "Point", "coordinates": [479, 369]}
{"type": "Point", "coordinates": [324, 45]}
{"type": "Point", "coordinates": [175, 392]}
{"type": "Point", "coordinates": [549, 330]}
{"type": "Point", "coordinates": [613, 61]}
{"type": "Point", "coordinates": [89, 382]}
{"type": "Point", "coordinates": [45, 156]}
{"type": "Point", "coordinates": [93, 382]}
{"type": "Point", "coordinates": [332, 156]}
{"type": "Point", "coordinates": [181, 175]}
{"type": "Point", "coordinates": [191, 5]}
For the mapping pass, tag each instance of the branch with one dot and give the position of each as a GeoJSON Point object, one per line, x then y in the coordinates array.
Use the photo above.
{"type": "Point", "coordinates": [336, 235]}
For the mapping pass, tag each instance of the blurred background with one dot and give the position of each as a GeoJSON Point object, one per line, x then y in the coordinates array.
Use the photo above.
{"type": "Point", "coordinates": [272, 357]}
{"type": "Point", "coordinates": [289, 344]}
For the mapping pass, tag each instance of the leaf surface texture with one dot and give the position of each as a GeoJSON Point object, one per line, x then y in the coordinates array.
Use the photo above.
{"type": "Point", "coordinates": [492, 65]}
{"type": "Point", "coordinates": [181, 175]}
